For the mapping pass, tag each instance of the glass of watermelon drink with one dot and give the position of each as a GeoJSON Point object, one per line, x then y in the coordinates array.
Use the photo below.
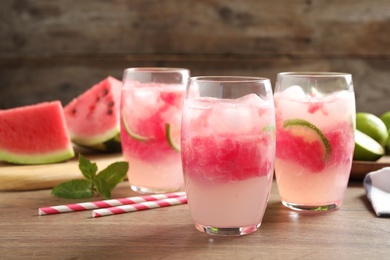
{"type": "Point", "coordinates": [228, 150]}
{"type": "Point", "coordinates": [315, 123]}
{"type": "Point", "coordinates": [151, 107]}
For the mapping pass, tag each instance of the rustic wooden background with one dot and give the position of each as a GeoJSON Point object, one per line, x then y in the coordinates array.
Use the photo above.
{"type": "Point", "coordinates": [57, 49]}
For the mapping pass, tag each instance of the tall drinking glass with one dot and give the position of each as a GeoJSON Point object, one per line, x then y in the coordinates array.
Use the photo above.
{"type": "Point", "coordinates": [151, 108]}
{"type": "Point", "coordinates": [228, 149]}
{"type": "Point", "coordinates": [315, 123]}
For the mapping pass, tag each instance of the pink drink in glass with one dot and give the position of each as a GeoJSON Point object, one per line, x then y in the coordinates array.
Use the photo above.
{"type": "Point", "coordinates": [315, 142]}
{"type": "Point", "coordinates": [228, 148]}
{"type": "Point", "coordinates": [150, 135]}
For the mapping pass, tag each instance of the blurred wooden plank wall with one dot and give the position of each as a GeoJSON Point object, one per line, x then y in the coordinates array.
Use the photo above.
{"type": "Point", "coordinates": [57, 49]}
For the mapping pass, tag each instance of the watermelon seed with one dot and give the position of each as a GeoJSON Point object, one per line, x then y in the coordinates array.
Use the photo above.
{"type": "Point", "coordinates": [109, 111]}
{"type": "Point", "coordinates": [111, 103]}
{"type": "Point", "coordinates": [105, 91]}
{"type": "Point", "coordinates": [74, 111]}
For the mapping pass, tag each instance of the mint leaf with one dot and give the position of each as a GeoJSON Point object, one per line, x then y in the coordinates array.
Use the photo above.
{"type": "Point", "coordinates": [102, 187]}
{"type": "Point", "coordinates": [114, 174]}
{"type": "Point", "coordinates": [102, 183]}
{"type": "Point", "coordinates": [87, 168]}
{"type": "Point", "coordinates": [74, 189]}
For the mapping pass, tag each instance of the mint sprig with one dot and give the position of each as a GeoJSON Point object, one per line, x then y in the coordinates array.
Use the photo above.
{"type": "Point", "coordinates": [102, 183]}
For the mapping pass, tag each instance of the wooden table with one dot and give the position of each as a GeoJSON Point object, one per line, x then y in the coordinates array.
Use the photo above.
{"type": "Point", "coordinates": [352, 232]}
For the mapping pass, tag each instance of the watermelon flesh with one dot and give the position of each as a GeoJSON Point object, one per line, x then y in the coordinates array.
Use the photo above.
{"type": "Point", "coordinates": [93, 117]}
{"type": "Point", "coordinates": [35, 134]}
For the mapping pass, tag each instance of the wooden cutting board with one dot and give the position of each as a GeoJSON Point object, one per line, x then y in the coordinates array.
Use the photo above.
{"type": "Point", "coordinates": [46, 176]}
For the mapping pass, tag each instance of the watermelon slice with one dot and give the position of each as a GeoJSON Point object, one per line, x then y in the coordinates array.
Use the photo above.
{"type": "Point", "coordinates": [93, 117]}
{"type": "Point", "coordinates": [35, 134]}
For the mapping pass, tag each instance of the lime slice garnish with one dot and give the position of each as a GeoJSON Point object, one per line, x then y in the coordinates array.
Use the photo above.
{"type": "Point", "coordinates": [309, 132]}
{"type": "Point", "coordinates": [132, 134]}
{"type": "Point", "coordinates": [366, 148]}
{"type": "Point", "coordinates": [173, 137]}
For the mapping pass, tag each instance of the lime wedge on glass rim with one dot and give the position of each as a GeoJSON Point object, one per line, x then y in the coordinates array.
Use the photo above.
{"type": "Point", "coordinates": [132, 134]}
{"type": "Point", "coordinates": [173, 137]}
{"type": "Point", "coordinates": [309, 132]}
{"type": "Point", "coordinates": [366, 148]}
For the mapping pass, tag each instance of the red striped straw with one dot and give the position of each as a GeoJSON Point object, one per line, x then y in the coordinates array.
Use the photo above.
{"type": "Point", "coordinates": [140, 206]}
{"type": "Point", "coordinates": [107, 203]}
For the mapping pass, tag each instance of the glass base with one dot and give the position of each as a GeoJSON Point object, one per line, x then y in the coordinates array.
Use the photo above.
{"type": "Point", "coordinates": [236, 231]}
{"type": "Point", "coordinates": [328, 207]}
{"type": "Point", "coordinates": [153, 190]}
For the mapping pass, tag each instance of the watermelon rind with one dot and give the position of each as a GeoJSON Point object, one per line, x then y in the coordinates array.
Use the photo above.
{"type": "Point", "coordinates": [112, 145]}
{"type": "Point", "coordinates": [96, 140]}
{"type": "Point", "coordinates": [45, 158]}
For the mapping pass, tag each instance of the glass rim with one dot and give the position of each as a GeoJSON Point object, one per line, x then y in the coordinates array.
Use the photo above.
{"type": "Point", "coordinates": [156, 69]}
{"type": "Point", "coordinates": [314, 74]}
{"type": "Point", "coordinates": [228, 79]}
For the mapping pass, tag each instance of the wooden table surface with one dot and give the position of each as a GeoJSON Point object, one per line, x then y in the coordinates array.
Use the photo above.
{"type": "Point", "coordinates": [352, 232]}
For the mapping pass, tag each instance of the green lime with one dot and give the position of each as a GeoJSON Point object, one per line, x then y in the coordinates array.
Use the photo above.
{"type": "Point", "coordinates": [388, 143]}
{"type": "Point", "coordinates": [173, 137]}
{"type": "Point", "coordinates": [372, 126]}
{"type": "Point", "coordinates": [385, 117]}
{"type": "Point", "coordinates": [366, 148]}
{"type": "Point", "coordinates": [132, 134]}
{"type": "Point", "coordinates": [310, 133]}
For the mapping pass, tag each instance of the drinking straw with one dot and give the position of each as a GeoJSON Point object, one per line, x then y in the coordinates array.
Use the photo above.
{"type": "Point", "coordinates": [140, 206]}
{"type": "Point", "coordinates": [106, 203]}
